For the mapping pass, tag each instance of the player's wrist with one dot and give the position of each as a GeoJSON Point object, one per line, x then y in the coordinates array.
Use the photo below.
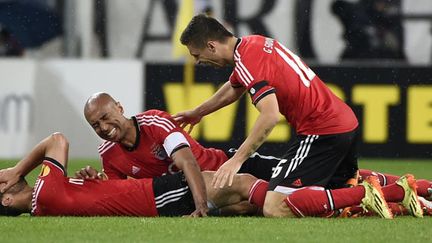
{"type": "Point", "coordinates": [17, 171]}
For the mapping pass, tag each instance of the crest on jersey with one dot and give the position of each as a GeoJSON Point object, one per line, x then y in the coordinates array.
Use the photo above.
{"type": "Point", "coordinates": [159, 152]}
{"type": "Point", "coordinates": [44, 171]}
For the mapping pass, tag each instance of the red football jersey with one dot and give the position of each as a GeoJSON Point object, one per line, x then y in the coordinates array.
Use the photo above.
{"type": "Point", "coordinates": [55, 194]}
{"type": "Point", "coordinates": [265, 66]}
{"type": "Point", "coordinates": [159, 137]}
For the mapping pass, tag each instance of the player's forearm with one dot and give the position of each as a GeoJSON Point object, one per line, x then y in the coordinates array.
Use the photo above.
{"type": "Point", "coordinates": [260, 131]}
{"type": "Point", "coordinates": [33, 159]}
{"type": "Point", "coordinates": [224, 96]}
{"type": "Point", "coordinates": [185, 161]}
{"type": "Point", "coordinates": [196, 183]}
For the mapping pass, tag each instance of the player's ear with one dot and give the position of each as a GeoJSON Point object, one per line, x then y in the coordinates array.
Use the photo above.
{"type": "Point", "coordinates": [120, 107]}
{"type": "Point", "coordinates": [7, 199]}
{"type": "Point", "coordinates": [211, 45]}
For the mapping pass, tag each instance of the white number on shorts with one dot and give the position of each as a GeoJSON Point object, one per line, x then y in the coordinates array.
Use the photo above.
{"type": "Point", "coordinates": [277, 170]}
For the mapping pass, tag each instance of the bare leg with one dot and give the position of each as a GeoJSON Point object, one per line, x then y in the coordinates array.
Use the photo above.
{"type": "Point", "coordinates": [234, 194]}
{"type": "Point", "coordinates": [243, 208]}
{"type": "Point", "coordinates": [274, 205]}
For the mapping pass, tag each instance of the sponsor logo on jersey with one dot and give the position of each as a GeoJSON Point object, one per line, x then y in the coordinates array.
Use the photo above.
{"type": "Point", "coordinates": [268, 45]}
{"type": "Point", "coordinates": [252, 91]}
{"type": "Point", "coordinates": [159, 152]}
{"type": "Point", "coordinates": [135, 169]}
{"type": "Point", "coordinates": [297, 183]}
{"type": "Point", "coordinates": [44, 171]}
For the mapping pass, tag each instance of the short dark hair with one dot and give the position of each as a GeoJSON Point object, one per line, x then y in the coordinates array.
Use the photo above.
{"type": "Point", "coordinates": [10, 211]}
{"type": "Point", "coordinates": [203, 28]}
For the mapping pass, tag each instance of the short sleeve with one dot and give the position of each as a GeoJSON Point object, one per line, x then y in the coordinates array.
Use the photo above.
{"type": "Point", "coordinates": [51, 166]}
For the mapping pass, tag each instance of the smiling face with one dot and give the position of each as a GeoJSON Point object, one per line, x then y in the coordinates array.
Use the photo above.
{"type": "Point", "coordinates": [105, 116]}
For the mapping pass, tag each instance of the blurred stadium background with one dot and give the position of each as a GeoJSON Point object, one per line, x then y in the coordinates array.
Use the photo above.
{"type": "Point", "coordinates": [375, 54]}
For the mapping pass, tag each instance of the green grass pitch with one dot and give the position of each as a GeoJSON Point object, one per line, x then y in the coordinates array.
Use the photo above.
{"type": "Point", "coordinates": [217, 229]}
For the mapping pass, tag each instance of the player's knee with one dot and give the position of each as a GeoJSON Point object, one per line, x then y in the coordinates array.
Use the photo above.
{"type": "Point", "coordinates": [247, 180]}
{"type": "Point", "coordinates": [271, 209]}
{"type": "Point", "coordinates": [59, 140]}
{"type": "Point", "coordinates": [268, 211]}
{"type": "Point", "coordinates": [275, 206]}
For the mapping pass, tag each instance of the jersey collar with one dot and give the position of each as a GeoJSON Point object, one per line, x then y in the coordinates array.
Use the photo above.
{"type": "Point", "coordinates": [239, 40]}
{"type": "Point", "coordinates": [138, 135]}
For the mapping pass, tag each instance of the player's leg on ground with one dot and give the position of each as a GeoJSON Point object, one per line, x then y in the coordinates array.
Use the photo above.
{"type": "Point", "coordinates": [311, 201]}
{"type": "Point", "coordinates": [384, 179]}
{"type": "Point", "coordinates": [238, 192]}
{"type": "Point", "coordinates": [374, 198]}
{"type": "Point", "coordinates": [424, 187]}
{"type": "Point", "coordinates": [275, 206]}
{"type": "Point", "coordinates": [405, 192]}
{"type": "Point", "coordinates": [426, 206]}
{"type": "Point", "coordinates": [410, 200]}
{"type": "Point", "coordinates": [358, 211]}
{"type": "Point", "coordinates": [316, 201]}
{"type": "Point", "coordinates": [312, 160]}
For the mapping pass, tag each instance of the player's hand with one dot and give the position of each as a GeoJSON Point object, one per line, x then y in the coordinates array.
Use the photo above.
{"type": "Point", "coordinates": [430, 194]}
{"type": "Point", "coordinates": [8, 178]}
{"type": "Point", "coordinates": [185, 118]}
{"type": "Point", "coordinates": [200, 211]}
{"type": "Point", "coordinates": [225, 174]}
{"type": "Point", "coordinates": [89, 172]}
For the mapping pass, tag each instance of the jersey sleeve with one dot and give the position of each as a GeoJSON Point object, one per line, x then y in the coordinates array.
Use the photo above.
{"type": "Point", "coordinates": [260, 90]}
{"type": "Point", "coordinates": [165, 131]}
{"type": "Point", "coordinates": [51, 167]}
{"type": "Point", "coordinates": [252, 71]}
{"type": "Point", "coordinates": [235, 83]}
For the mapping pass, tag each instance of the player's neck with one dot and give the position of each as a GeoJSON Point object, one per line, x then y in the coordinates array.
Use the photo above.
{"type": "Point", "coordinates": [23, 200]}
{"type": "Point", "coordinates": [232, 41]}
{"type": "Point", "coordinates": [131, 134]}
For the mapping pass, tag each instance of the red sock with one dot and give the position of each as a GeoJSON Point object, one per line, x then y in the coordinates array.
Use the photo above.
{"type": "Point", "coordinates": [397, 209]}
{"type": "Point", "coordinates": [258, 192]}
{"type": "Point", "coordinates": [315, 201]}
{"type": "Point", "coordinates": [358, 211]}
{"type": "Point", "coordinates": [393, 193]}
{"type": "Point", "coordinates": [423, 185]}
{"type": "Point", "coordinates": [384, 179]}
{"type": "Point", "coordinates": [347, 196]}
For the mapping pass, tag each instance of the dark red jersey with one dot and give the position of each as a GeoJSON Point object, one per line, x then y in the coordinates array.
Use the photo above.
{"type": "Point", "coordinates": [159, 137]}
{"type": "Point", "coordinates": [264, 66]}
{"type": "Point", "coordinates": [55, 194]}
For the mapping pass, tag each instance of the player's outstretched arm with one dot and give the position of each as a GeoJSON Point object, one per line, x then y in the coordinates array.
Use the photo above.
{"type": "Point", "coordinates": [223, 97]}
{"type": "Point", "coordinates": [185, 161]}
{"type": "Point", "coordinates": [54, 146]}
{"type": "Point", "coordinates": [267, 119]}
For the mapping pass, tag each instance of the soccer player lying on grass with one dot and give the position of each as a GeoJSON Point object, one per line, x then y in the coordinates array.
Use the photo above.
{"type": "Point", "coordinates": [55, 194]}
{"type": "Point", "coordinates": [424, 187]}
{"type": "Point", "coordinates": [150, 144]}
{"type": "Point", "coordinates": [401, 197]}
{"type": "Point", "coordinates": [424, 192]}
